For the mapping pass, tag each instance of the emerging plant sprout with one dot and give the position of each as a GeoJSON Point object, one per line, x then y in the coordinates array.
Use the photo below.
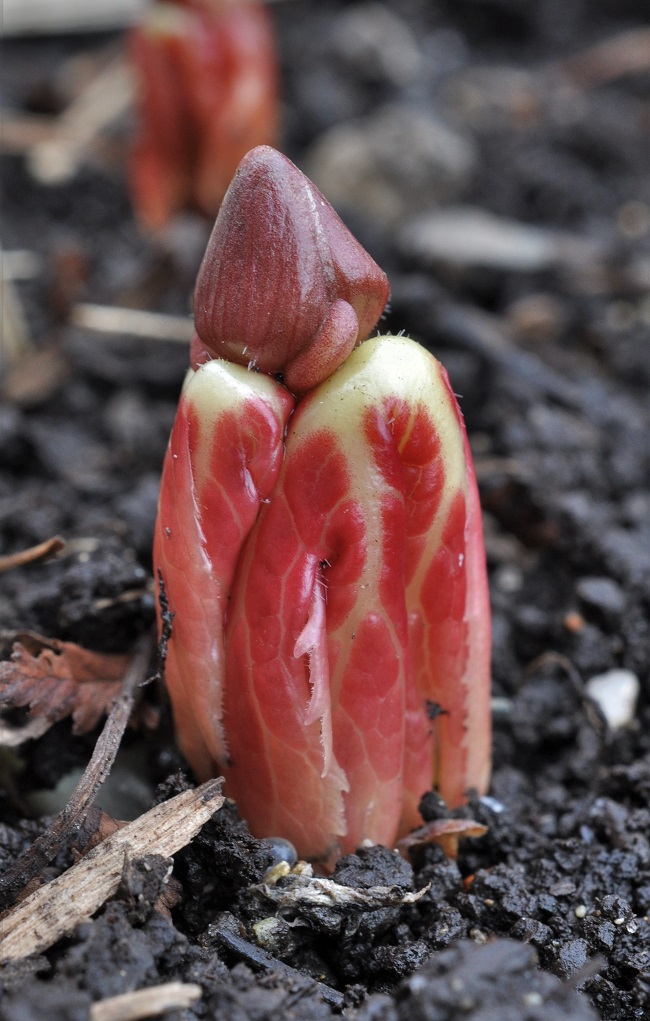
{"type": "Point", "coordinates": [319, 539]}
{"type": "Point", "coordinates": [207, 92]}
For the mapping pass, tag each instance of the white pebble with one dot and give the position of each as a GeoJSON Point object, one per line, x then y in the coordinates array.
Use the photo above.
{"type": "Point", "coordinates": [492, 803]}
{"type": "Point", "coordinates": [616, 694]}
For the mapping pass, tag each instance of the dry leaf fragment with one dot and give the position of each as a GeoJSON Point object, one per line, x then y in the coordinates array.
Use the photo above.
{"type": "Point", "coordinates": [446, 832]}
{"type": "Point", "coordinates": [58, 679]}
{"type": "Point", "coordinates": [304, 890]}
{"type": "Point", "coordinates": [71, 818]}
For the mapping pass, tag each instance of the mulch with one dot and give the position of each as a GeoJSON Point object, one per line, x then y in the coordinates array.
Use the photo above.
{"type": "Point", "coordinates": [544, 330]}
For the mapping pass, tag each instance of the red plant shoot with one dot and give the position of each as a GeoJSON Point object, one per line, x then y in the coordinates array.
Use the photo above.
{"type": "Point", "coordinates": [319, 539]}
{"type": "Point", "coordinates": [207, 92]}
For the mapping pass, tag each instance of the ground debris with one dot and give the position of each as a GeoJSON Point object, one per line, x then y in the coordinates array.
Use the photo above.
{"type": "Point", "coordinates": [71, 818]}
{"type": "Point", "coordinates": [302, 892]}
{"type": "Point", "coordinates": [58, 679]}
{"type": "Point", "coordinates": [53, 910]}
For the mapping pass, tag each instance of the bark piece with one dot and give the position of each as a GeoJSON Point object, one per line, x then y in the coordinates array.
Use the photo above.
{"type": "Point", "coordinates": [54, 910]}
{"type": "Point", "coordinates": [146, 1002]}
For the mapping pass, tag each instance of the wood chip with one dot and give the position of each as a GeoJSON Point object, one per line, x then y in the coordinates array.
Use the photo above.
{"type": "Point", "coordinates": [42, 17]}
{"type": "Point", "coordinates": [45, 916]}
{"type": "Point", "coordinates": [108, 96]}
{"type": "Point", "coordinates": [136, 322]}
{"type": "Point", "coordinates": [27, 17]}
{"type": "Point", "coordinates": [465, 236]}
{"type": "Point", "coordinates": [13, 325]}
{"type": "Point", "coordinates": [621, 55]}
{"type": "Point", "coordinates": [146, 1002]}
{"type": "Point", "coordinates": [21, 264]}
{"type": "Point", "coordinates": [35, 375]}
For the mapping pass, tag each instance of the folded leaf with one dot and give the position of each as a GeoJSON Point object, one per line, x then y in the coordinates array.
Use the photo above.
{"type": "Point", "coordinates": [327, 596]}
{"type": "Point", "coordinates": [370, 546]}
{"type": "Point", "coordinates": [223, 458]}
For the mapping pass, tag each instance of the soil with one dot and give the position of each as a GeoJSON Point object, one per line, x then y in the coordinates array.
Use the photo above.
{"type": "Point", "coordinates": [547, 915]}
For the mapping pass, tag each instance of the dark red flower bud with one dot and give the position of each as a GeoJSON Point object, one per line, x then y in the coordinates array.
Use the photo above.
{"type": "Point", "coordinates": [284, 285]}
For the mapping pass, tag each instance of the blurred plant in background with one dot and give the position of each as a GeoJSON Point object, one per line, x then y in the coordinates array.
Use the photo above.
{"type": "Point", "coordinates": [207, 92]}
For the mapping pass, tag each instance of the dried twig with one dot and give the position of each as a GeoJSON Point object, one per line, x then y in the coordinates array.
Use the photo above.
{"type": "Point", "coordinates": [260, 959]}
{"type": "Point", "coordinates": [622, 54]}
{"type": "Point", "coordinates": [55, 909]}
{"type": "Point", "coordinates": [24, 17]}
{"type": "Point", "coordinates": [22, 131]}
{"type": "Point", "coordinates": [136, 322]}
{"type": "Point", "coordinates": [146, 1002]}
{"type": "Point", "coordinates": [55, 159]}
{"type": "Point", "coordinates": [70, 819]}
{"type": "Point", "coordinates": [31, 555]}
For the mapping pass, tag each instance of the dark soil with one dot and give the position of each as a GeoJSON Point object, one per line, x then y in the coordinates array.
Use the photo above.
{"type": "Point", "coordinates": [546, 917]}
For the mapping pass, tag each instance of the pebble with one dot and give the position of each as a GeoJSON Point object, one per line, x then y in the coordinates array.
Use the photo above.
{"type": "Point", "coordinates": [509, 578]}
{"type": "Point", "coordinates": [616, 693]}
{"type": "Point", "coordinates": [602, 594]}
{"type": "Point", "coordinates": [493, 804]}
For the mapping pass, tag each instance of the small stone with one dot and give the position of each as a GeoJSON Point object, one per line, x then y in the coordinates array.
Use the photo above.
{"type": "Point", "coordinates": [615, 693]}
{"type": "Point", "coordinates": [275, 936]}
{"type": "Point", "coordinates": [492, 803]}
{"type": "Point", "coordinates": [563, 888]}
{"type": "Point", "coordinates": [602, 594]}
{"type": "Point", "coordinates": [509, 578]}
{"type": "Point", "coordinates": [533, 1000]}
